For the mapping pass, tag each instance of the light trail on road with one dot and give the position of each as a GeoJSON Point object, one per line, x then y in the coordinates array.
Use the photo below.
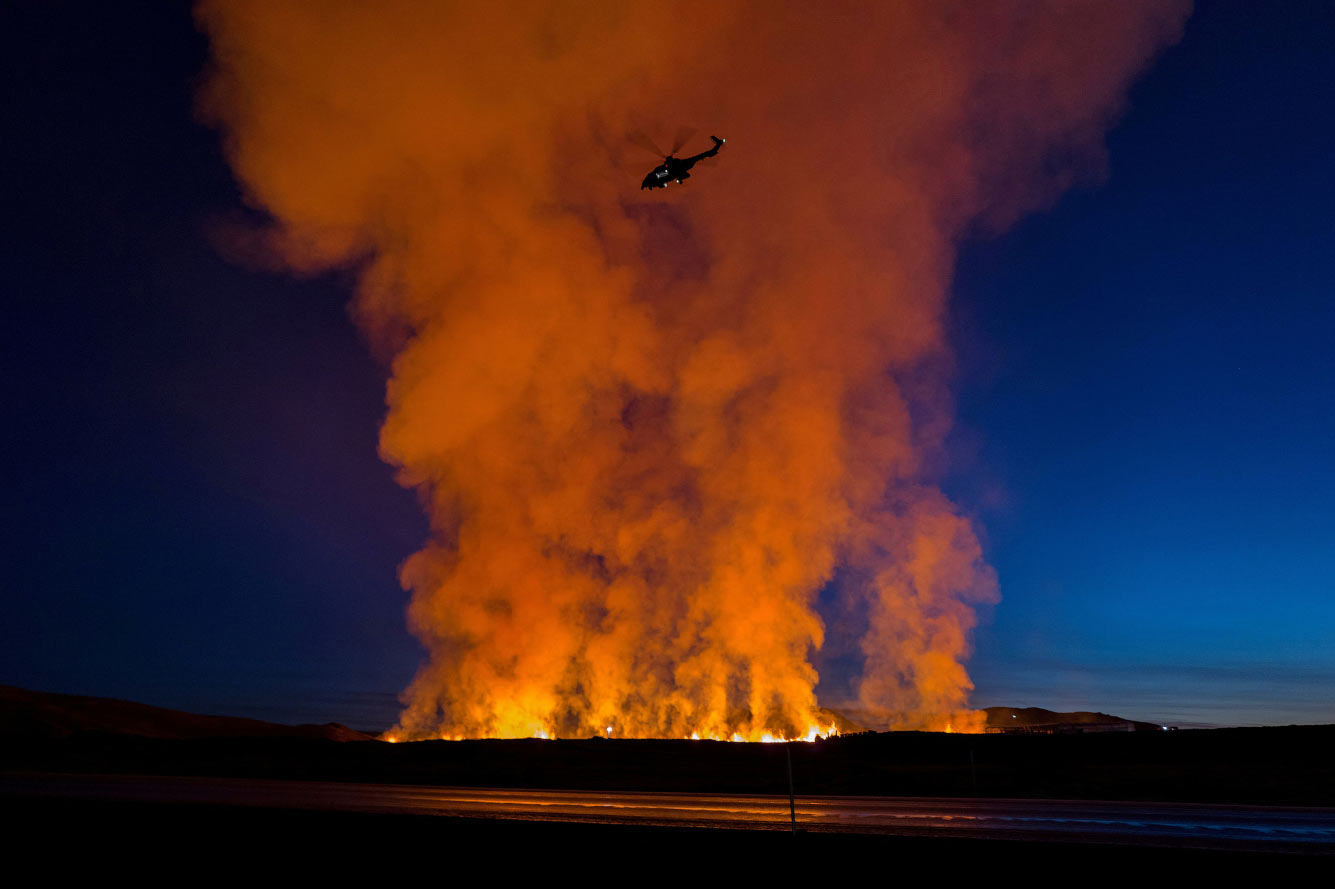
{"type": "Point", "coordinates": [1311, 830]}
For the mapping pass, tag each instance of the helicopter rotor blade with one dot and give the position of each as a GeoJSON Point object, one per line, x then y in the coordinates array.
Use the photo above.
{"type": "Point", "coordinates": [638, 138]}
{"type": "Point", "coordinates": [683, 134]}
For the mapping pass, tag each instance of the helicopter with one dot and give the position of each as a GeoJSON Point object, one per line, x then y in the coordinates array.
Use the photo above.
{"type": "Point", "coordinates": [673, 169]}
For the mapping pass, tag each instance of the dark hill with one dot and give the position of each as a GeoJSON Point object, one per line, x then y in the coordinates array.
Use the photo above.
{"type": "Point", "coordinates": [1008, 718]}
{"type": "Point", "coordinates": [1269, 766]}
{"type": "Point", "coordinates": [35, 714]}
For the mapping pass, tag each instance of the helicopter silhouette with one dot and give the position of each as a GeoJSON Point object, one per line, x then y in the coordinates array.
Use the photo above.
{"type": "Point", "coordinates": [673, 169]}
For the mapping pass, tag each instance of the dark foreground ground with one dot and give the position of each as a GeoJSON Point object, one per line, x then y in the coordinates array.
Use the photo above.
{"type": "Point", "coordinates": [193, 844]}
{"type": "Point", "coordinates": [186, 841]}
{"type": "Point", "coordinates": [1302, 830]}
{"type": "Point", "coordinates": [1287, 766]}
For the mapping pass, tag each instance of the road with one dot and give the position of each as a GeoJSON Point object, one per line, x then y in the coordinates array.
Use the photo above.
{"type": "Point", "coordinates": [1310, 830]}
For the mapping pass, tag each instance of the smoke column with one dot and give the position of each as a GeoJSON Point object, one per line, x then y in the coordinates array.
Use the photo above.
{"type": "Point", "coordinates": [649, 428]}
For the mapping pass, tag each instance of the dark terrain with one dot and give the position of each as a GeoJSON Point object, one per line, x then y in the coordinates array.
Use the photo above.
{"type": "Point", "coordinates": [1288, 765]}
{"type": "Point", "coordinates": [1274, 766]}
{"type": "Point", "coordinates": [49, 743]}
{"type": "Point", "coordinates": [32, 715]}
{"type": "Point", "coordinates": [272, 844]}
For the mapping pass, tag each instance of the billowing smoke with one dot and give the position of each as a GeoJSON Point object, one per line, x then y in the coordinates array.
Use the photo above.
{"type": "Point", "coordinates": [649, 427]}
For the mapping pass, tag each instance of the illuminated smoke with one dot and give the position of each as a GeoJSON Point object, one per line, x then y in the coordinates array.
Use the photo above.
{"type": "Point", "coordinates": [649, 427]}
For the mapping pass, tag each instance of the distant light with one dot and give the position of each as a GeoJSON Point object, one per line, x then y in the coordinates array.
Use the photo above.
{"type": "Point", "coordinates": [609, 730]}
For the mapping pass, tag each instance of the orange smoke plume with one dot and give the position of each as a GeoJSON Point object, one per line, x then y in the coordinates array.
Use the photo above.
{"type": "Point", "coordinates": [649, 427]}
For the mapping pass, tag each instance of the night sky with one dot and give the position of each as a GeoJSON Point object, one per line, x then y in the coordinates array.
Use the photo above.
{"type": "Point", "coordinates": [197, 516]}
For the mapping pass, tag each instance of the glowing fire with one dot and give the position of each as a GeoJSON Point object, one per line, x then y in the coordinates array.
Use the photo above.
{"type": "Point", "coordinates": [649, 432]}
{"type": "Point", "coordinates": [813, 733]}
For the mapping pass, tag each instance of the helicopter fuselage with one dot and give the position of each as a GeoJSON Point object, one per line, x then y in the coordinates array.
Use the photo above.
{"type": "Point", "coordinates": [677, 169]}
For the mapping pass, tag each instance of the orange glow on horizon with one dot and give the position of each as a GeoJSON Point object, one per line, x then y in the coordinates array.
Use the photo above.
{"type": "Point", "coordinates": [814, 733]}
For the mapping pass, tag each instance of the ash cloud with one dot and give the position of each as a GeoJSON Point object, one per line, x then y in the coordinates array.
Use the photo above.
{"type": "Point", "coordinates": [648, 429]}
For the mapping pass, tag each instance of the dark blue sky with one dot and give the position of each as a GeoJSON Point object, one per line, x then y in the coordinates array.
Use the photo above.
{"type": "Point", "coordinates": [1147, 402]}
{"type": "Point", "coordinates": [197, 516]}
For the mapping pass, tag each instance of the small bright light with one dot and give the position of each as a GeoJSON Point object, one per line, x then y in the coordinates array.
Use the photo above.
{"type": "Point", "coordinates": [609, 730]}
{"type": "Point", "coordinates": [695, 736]}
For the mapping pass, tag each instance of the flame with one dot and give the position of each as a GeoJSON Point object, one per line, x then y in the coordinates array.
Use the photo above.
{"type": "Point", "coordinates": [649, 431]}
{"type": "Point", "coordinates": [813, 733]}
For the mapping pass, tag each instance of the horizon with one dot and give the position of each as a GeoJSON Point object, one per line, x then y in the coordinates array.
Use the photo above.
{"type": "Point", "coordinates": [377, 713]}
